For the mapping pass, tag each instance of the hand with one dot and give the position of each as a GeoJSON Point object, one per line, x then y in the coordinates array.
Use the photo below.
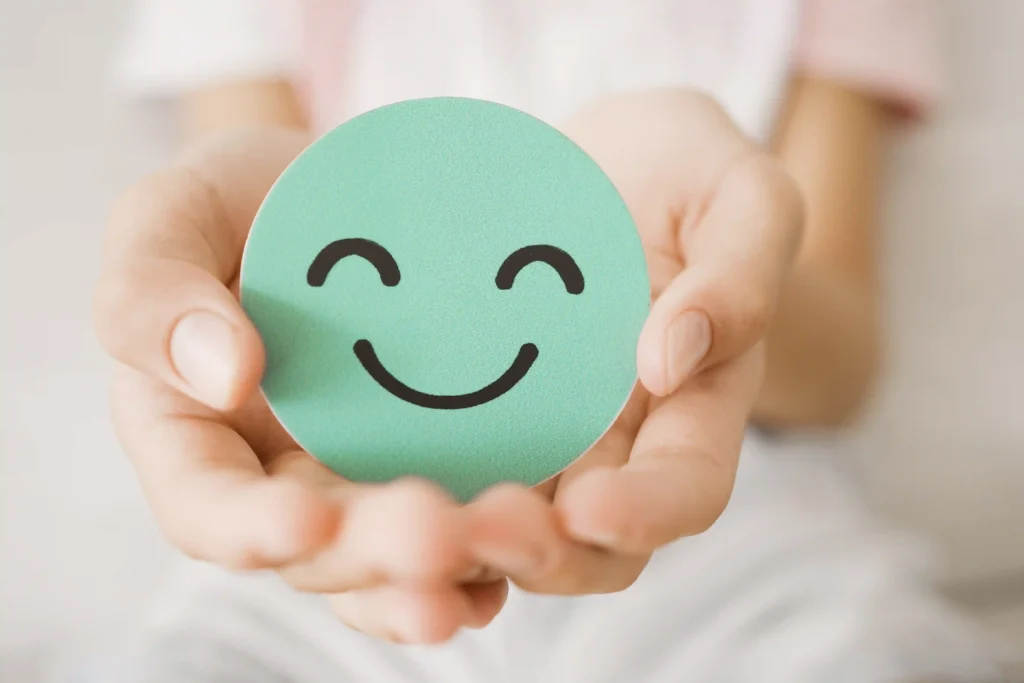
{"type": "Point", "coordinates": [228, 485]}
{"type": "Point", "coordinates": [720, 222]}
{"type": "Point", "coordinates": [225, 481]}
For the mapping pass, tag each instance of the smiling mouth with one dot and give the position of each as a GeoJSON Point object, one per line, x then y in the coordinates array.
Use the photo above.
{"type": "Point", "coordinates": [520, 366]}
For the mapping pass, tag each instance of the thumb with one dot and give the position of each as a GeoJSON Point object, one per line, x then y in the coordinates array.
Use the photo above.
{"type": "Point", "coordinates": [163, 304]}
{"type": "Point", "coordinates": [737, 255]}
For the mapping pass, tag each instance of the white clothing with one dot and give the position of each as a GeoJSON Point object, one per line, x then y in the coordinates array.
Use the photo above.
{"type": "Point", "coordinates": [546, 57]}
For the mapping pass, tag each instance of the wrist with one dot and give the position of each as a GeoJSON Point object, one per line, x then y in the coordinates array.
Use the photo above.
{"type": "Point", "coordinates": [824, 352]}
{"type": "Point", "coordinates": [227, 107]}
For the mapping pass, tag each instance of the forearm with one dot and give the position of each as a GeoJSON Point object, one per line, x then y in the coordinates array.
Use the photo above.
{"type": "Point", "coordinates": [823, 347]}
{"type": "Point", "coordinates": [823, 352]}
{"type": "Point", "coordinates": [255, 103]}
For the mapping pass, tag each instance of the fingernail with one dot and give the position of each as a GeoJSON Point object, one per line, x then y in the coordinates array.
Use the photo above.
{"type": "Point", "coordinates": [204, 354]}
{"type": "Point", "coordinates": [689, 338]}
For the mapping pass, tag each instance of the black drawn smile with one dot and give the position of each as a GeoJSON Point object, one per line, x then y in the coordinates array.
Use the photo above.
{"type": "Point", "coordinates": [520, 366]}
{"type": "Point", "coordinates": [390, 275]}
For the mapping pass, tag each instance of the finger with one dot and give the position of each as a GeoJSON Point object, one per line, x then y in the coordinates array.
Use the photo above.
{"type": "Point", "coordinates": [408, 532]}
{"type": "Point", "coordinates": [611, 450]}
{"type": "Point", "coordinates": [681, 469]}
{"type": "Point", "coordinates": [737, 255]}
{"type": "Point", "coordinates": [173, 245]}
{"type": "Point", "coordinates": [207, 488]}
{"type": "Point", "coordinates": [486, 600]}
{"type": "Point", "coordinates": [406, 615]}
{"type": "Point", "coordinates": [519, 534]}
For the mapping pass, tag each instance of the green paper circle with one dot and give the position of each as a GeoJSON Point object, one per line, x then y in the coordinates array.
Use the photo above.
{"type": "Point", "coordinates": [424, 201]}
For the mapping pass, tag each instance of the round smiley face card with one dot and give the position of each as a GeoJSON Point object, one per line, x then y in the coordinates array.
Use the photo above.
{"type": "Point", "coordinates": [446, 288]}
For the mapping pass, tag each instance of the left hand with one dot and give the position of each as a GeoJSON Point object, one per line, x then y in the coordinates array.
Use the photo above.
{"type": "Point", "coordinates": [720, 223]}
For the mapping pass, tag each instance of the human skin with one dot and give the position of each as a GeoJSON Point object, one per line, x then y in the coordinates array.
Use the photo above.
{"type": "Point", "coordinates": [188, 413]}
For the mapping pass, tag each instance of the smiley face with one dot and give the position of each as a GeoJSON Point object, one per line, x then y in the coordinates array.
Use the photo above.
{"type": "Point", "coordinates": [390, 275]}
{"type": "Point", "coordinates": [446, 288]}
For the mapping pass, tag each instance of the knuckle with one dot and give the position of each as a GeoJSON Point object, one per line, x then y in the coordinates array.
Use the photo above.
{"type": "Point", "coordinates": [716, 498]}
{"type": "Point", "coordinates": [740, 315]}
{"type": "Point", "coordinates": [241, 558]}
{"type": "Point", "coordinates": [168, 187]}
{"type": "Point", "coordinates": [134, 209]}
{"type": "Point", "coordinates": [754, 312]}
{"type": "Point", "coordinates": [505, 492]}
{"type": "Point", "coordinates": [418, 498]}
{"type": "Point", "coordinates": [179, 534]}
{"type": "Point", "coordinates": [645, 535]}
{"type": "Point", "coordinates": [555, 564]}
{"type": "Point", "coordinates": [431, 623]}
{"type": "Point", "coordinates": [150, 215]}
{"type": "Point", "coordinates": [134, 201]}
{"type": "Point", "coordinates": [740, 311]}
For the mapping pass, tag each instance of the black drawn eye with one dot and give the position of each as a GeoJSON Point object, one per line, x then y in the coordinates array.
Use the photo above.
{"type": "Point", "coordinates": [558, 259]}
{"type": "Point", "coordinates": [379, 257]}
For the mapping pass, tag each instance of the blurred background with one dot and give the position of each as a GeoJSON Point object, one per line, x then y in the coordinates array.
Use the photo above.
{"type": "Point", "coordinates": [942, 451]}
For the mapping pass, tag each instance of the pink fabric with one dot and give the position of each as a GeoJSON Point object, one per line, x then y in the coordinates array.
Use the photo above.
{"type": "Point", "coordinates": [885, 47]}
{"type": "Point", "coordinates": [325, 27]}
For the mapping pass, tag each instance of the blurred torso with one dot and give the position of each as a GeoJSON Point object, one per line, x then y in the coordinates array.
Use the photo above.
{"type": "Point", "coordinates": [550, 57]}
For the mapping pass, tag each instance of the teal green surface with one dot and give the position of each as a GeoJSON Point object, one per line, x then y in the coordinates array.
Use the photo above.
{"type": "Point", "coordinates": [450, 187]}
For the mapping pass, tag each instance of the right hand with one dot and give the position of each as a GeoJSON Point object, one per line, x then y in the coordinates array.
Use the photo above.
{"type": "Point", "coordinates": [225, 481]}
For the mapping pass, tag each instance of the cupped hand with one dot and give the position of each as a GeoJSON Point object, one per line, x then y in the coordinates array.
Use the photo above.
{"type": "Point", "coordinates": [225, 481]}
{"type": "Point", "coordinates": [720, 223]}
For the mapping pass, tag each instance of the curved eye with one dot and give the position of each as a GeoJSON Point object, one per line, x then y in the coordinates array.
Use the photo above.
{"type": "Point", "coordinates": [378, 256]}
{"type": "Point", "coordinates": [558, 259]}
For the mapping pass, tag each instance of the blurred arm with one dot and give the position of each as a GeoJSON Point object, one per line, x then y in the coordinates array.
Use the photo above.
{"type": "Point", "coordinates": [221, 108]}
{"type": "Point", "coordinates": [824, 345]}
